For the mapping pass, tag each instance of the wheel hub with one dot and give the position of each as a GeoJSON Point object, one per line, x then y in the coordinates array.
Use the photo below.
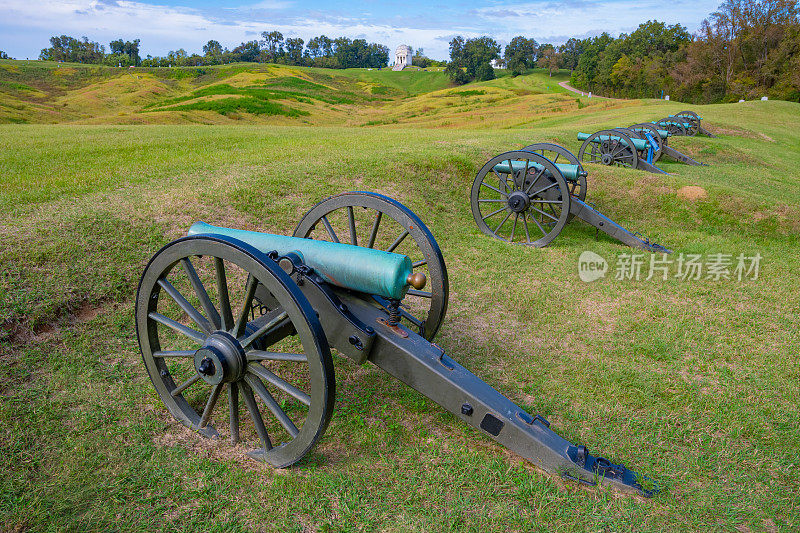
{"type": "Point", "coordinates": [221, 359]}
{"type": "Point", "coordinates": [518, 201]}
{"type": "Point", "coordinates": [606, 159]}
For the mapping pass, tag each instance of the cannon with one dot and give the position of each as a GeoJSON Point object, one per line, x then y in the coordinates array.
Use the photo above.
{"type": "Point", "coordinates": [662, 139]}
{"type": "Point", "coordinates": [683, 123]}
{"type": "Point", "coordinates": [620, 147]}
{"type": "Point", "coordinates": [527, 197]}
{"type": "Point", "coordinates": [255, 315]}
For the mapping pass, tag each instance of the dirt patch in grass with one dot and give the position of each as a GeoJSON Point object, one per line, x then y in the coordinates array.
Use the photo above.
{"type": "Point", "coordinates": [692, 193]}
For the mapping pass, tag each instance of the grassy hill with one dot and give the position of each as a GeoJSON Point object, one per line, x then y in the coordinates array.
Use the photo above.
{"type": "Point", "coordinates": [45, 92]}
{"type": "Point", "coordinates": [692, 382]}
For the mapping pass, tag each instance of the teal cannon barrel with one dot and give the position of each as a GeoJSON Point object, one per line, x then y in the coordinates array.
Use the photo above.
{"type": "Point", "coordinates": [639, 144]}
{"type": "Point", "coordinates": [570, 172]}
{"type": "Point", "coordinates": [352, 267]}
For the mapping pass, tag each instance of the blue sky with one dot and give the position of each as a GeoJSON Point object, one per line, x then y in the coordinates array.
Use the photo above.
{"type": "Point", "coordinates": [26, 26]}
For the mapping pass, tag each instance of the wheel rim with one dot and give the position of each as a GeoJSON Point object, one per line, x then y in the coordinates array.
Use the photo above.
{"type": "Point", "coordinates": [694, 122]}
{"type": "Point", "coordinates": [610, 148]}
{"type": "Point", "coordinates": [530, 206]}
{"type": "Point", "coordinates": [375, 221]}
{"type": "Point", "coordinates": [200, 336]}
{"type": "Point", "coordinates": [654, 132]}
{"type": "Point", "coordinates": [554, 153]}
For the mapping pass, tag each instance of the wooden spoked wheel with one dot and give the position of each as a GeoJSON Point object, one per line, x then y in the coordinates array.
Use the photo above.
{"type": "Point", "coordinates": [520, 197]}
{"type": "Point", "coordinates": [693, 121]}
{"type": "Point", "coordinates": [653, 130]}
{"type": "Point", "coordinates": [609, 147]}
{"type": "Point", "coordinates": [375, 221]}
{"type": "Point", "coordinates": [558, 154]}
{"type": "Point", "coordinates": [200, 336]}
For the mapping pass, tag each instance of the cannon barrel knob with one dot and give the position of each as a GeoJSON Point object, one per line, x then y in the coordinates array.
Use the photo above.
{"type": "Point", "coordinates": [417, 280]}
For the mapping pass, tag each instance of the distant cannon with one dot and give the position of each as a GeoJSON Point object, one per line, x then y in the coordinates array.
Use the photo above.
{"type": "Point", "coordinates": [255, 315]}
{"type": "Point", "coordinates": [526, 197]}
{"type": "Point", "coordinates": [662, 138]}
{"type": "Point", "coordinates": [684, 123]}
{"type": "Point", "coordinates": [620, 147]}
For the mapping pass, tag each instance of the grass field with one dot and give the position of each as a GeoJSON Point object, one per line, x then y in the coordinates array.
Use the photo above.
{"type": "Point", "coordinates": [692, 382]}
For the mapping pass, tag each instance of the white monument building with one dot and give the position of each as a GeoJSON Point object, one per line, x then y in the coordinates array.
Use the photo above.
{"type": "Point", "coordinates": [402, 57]}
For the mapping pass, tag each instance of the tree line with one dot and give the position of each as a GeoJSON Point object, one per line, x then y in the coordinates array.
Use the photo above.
{"type": "Point", "coordinates": [321, 51]}
{"type": "Point", "coordinates": [745, 49]}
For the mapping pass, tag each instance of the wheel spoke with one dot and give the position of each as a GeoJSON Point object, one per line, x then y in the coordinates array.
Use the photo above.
{"type": "Point", "coordinates": [533, 217]}
{"type": "Point", "coordinates": [503, 222]}
{"type": "Point", "coordinates": [273, 323]}
{"type": "Point", "coordinates": [279, 382]}
{"type": "Point", "coordinates": [224, 298]}
{"type": "Point", "coordinates": [173, 353]}
{"type": "Point", "coordinates": [185, 385]}
{"type": "Point", "coordinates": [374, 233]}
{"type": "Point", "coordinates": [494, 212]}
{"type": "Point", "coordinates": [411, 318]}
{"type": "Point", "coordinates": [177, 326]}
{"type": "Point", "coordinates": [492, 200]}
{"type": "Point", "coordinates": [540, 191]}
{"type": "Point", "coordinates": [548, 215]}
{"type": "Point", "coordinates": [249, 292]}
{"type": "Point", "coordinates": [200, 291]}
{"type": "Point", "coordinates": [184, 304]}
{"type": "Point", "coordinates": [272, 405]}
{"type": "Point", "coordinates": [210, 404]}
{"type": "Point", "coordinates": [423, 294]}
{"type": "Point", "coordinates": [397, 241]}
{"type": "Point", "coordinates": [330, 229]}
{"type": "Point", "coordinates": [514, 227]}
{"type": "Point", "coordinates": [494, 189]}
{"type": "Point", "coordinates": [525, 221]}
{"type": "Point", "coordinates": [263, 355]}
{"type": "Point", "coordinates": [419, 263]}
{"type": "Point", "coordinates": [513, 176]}
{"type": "Point", "coordinates": [233, 408]}
{"type": "Point", "coordinates": [255, 414]}
{"type": "Point", "coordinates": [351, 219]}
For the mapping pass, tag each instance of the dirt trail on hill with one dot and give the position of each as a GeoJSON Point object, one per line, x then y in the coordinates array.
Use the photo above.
{"type": "Point", "coordinates": [582, 93]}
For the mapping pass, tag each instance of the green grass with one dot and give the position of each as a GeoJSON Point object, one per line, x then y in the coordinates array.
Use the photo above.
{"type": "Point", "coordinates": [694, 384]}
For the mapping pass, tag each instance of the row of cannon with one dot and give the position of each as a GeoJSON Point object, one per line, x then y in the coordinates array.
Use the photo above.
{"type": "Point", "coordinates": [527, 196]}
{"type": "Point", "coordinates": [253, 316]}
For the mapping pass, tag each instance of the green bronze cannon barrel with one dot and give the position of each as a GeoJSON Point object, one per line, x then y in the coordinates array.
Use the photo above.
{"type": "Point", "coordinates": [570, 172]}
{"type": "Point", "coordinates": [639, 144]}
{"type": "Point", "coordinates": [344, 265]}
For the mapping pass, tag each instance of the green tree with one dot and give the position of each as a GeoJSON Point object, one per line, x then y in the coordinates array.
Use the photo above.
{"type": "Point", "coordinates": [273, 45]}
{"type": "Point", "coordinates": [471, 59]}
{"type": "Point", "coordinates": [128, 48]}
{"type": "Point", "coordinates": [294, 51]}
{"type": "Point", "coordinates": [520, 55]}
{"type": "Point", "coordinates": [212, 48]}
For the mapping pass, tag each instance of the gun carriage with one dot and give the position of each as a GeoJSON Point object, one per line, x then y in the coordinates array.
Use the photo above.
{"type": "Point", "coordinates": [527, 197]}
{"type": "Point", "coordinates": [255, 315]}
{"type": "Point", "coordinates": [620, 147]}
{"type": "Point", "coordinates": [684, 123]}
{"type": "Point", "coordinates": [661, 137]}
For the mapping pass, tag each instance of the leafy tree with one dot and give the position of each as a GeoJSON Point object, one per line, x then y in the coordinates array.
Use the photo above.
{"type": "Point", "coordinates": [294, 51]}
{"type": "Point", "coordinates": [273, 45]}
{"type": "Point", "coordinates": [128, 48]}
{"type": "Point", "coordinates": [549, 58]}
{"type": "Point", "coordinates": [66, 48]}
{"type": "Point", "coordinates": [570, 53]}
{"type": "Point", "coordinates": [4, 55]}
{"type": "Point", "coordinates": [520, 55]}
{"type": "Point", "coordinates": [471, 59]}
{"type": "Point", "coordinates": [247, 52]}
{"type": "Point", "coordinates": [212, 48]}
